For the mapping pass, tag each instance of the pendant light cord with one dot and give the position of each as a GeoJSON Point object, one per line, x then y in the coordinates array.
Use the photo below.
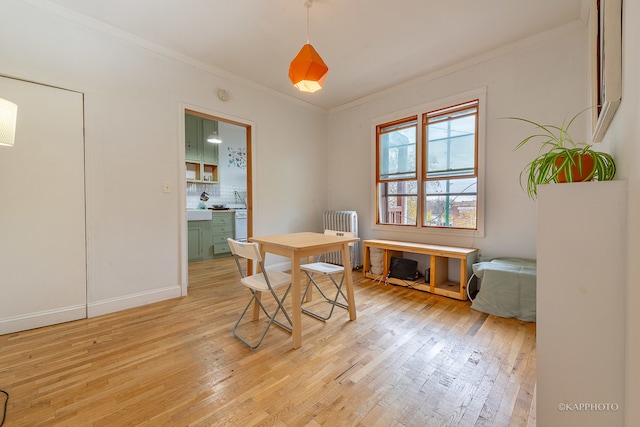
{"type": "Point", "coordinates": [308, 6]}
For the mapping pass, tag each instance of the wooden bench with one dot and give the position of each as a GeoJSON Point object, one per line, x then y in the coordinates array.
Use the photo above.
{"type": "Point", "coordinates": [439, 282]}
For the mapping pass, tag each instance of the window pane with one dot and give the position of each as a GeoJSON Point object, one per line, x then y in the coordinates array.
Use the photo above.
{"type": "Point", "coordinates": [398, 202]}
{"type": "Point", "coordinates": [398, 151]}
{"type": "Point", "coordinates": [451, 203]}
{"type": "Point", "coordinates": [441, 185]}
{"type": "Point", "coordinates": [451, 143]}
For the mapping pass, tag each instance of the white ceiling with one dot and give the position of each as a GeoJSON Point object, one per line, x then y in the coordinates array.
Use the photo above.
{"type": "Point", "coordinates": [369, 45]}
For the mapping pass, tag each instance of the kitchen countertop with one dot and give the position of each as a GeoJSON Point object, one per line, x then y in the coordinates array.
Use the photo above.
{"type": "Point", "coordinates": [205, 214]}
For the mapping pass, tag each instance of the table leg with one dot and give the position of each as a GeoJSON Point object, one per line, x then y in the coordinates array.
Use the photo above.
{"type": "Point", "coordinates": [463, 279]}
{"type": "Point", "coordinates": [348, 281]}
{"type": "Point", "coordinates": [296, 311]}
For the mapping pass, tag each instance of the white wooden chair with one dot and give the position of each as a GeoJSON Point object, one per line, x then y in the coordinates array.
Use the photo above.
{"type": "Point", "coordinates": [260, 282]}
{"type": "Point", "coordinates": [332, 271]}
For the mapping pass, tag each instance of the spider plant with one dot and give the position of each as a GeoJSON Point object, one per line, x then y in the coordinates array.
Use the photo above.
{"type": "Point", "coordinates": [561, 159]}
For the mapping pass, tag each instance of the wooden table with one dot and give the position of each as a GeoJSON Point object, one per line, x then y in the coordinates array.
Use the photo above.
{"type": "Point", "coordinates": [297, 246]}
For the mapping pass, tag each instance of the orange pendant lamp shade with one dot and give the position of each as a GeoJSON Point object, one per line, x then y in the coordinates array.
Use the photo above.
{"type": "Point", "coordinates": [307, 71]}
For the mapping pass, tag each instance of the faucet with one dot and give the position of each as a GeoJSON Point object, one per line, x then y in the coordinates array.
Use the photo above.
{"type": "Point", "coordinates": [240, 198]}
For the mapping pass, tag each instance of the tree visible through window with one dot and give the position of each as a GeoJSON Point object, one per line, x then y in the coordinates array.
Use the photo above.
{"type": "Point", "coordinates": [446, 195]}
{"type": "Point", "coordinates": [451, 176]}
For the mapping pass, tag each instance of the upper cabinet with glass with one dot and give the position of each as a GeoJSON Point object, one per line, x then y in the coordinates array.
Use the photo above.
{"type": "Point", "coordinates": [201, 156]}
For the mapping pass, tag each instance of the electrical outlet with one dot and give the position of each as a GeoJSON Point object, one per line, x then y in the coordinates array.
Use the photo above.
{"type": "Point", "coordinates": [166, 188]}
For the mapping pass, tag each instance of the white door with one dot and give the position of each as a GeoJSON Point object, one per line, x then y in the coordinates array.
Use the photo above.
{"type": "Point", "coordinates": [42, 209]}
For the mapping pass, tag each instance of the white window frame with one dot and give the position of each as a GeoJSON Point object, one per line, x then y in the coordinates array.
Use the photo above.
{"type": "Point", "coordinates": [410, 230]}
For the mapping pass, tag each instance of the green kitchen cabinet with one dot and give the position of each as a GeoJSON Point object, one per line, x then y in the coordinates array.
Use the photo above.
{"type": "Point", "coordinates": [201, 157]}
{"type": "Point", "coordinates": [222, 227]}
{"type": "Point", "coordinates": [193, 138]}
{"type": "Point", "coordinates": [209, 149]}
{"type": "Point", "coordinates": [199, 240]}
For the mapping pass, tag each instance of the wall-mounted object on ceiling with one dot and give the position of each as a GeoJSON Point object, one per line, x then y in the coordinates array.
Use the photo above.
{"type": "Point", "coordinates": [307, 71]}
{"type": "Point", "coordinates": [223, 95]}
{"type": "Point", "coordinates": [8, 118]}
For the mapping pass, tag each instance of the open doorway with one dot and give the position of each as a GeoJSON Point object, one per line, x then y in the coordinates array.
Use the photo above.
{"type": "Point", "coordinates": [218, 191]}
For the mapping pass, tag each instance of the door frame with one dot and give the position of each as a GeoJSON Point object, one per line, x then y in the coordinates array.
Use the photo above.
{"type": "Point", "coordinates": [222, 117]}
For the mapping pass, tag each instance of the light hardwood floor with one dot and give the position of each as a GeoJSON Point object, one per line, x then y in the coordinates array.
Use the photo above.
{"type": "Point", "coordinates": [410, 359]}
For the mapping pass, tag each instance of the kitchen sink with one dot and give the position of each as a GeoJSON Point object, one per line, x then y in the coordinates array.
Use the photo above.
{"type": "Point", "coordinates": [198, 215]}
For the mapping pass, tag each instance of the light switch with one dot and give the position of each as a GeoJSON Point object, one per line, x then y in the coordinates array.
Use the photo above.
{"type": "Point", "coordinates": [166, 187]}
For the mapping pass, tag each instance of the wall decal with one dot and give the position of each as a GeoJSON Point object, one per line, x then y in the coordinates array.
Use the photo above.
{"type": "Point", "coordinates": [237, 157]}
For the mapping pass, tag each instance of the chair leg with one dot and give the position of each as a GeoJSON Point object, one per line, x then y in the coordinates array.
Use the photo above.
{"type": "Point", "coordinates": [272, 317]}
{"type": "Point", "coordinates": [339, 292]}
{"type": "Point", "coordinates": [288, 327]}
{"type": "Point", "coordinates": [332, 301]}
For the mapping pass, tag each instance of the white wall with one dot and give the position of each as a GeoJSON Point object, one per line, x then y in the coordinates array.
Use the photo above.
{"type": "Point", "coordinates": [133, 145]}
{"type": "Point", "coordinates": [42, 199]}
{"type": "Point", "coordinates": [546, 79]}
{"type": "Point", "coordinates": [624, 136]}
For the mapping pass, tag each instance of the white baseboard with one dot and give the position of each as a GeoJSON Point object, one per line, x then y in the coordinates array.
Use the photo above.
{"type": "Point", "coordinates": [66, 314]}
{"type": "Point", "coordinates": [112, 305]}
{"type": "Point", "coordinates": [42, 318]}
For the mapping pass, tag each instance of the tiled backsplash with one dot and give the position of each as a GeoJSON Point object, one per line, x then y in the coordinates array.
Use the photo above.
{"type": "Point", "coordinates": [219, 194]}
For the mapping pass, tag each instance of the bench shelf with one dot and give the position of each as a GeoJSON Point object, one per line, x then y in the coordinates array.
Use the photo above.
{"type": "Point", "coordinates": [439, 282]}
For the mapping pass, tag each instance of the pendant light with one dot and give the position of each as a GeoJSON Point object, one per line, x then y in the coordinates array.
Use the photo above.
{"type": "Point", "coordinates": [8, 116]}
{"type": "Point", "coordinates": [214, 137]}
{"type": "Point", "coordinates": [307, 71]}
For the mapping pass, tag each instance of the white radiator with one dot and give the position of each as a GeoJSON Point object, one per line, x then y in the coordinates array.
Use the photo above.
{"type": "Point", "coordinates": [342, 221]}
